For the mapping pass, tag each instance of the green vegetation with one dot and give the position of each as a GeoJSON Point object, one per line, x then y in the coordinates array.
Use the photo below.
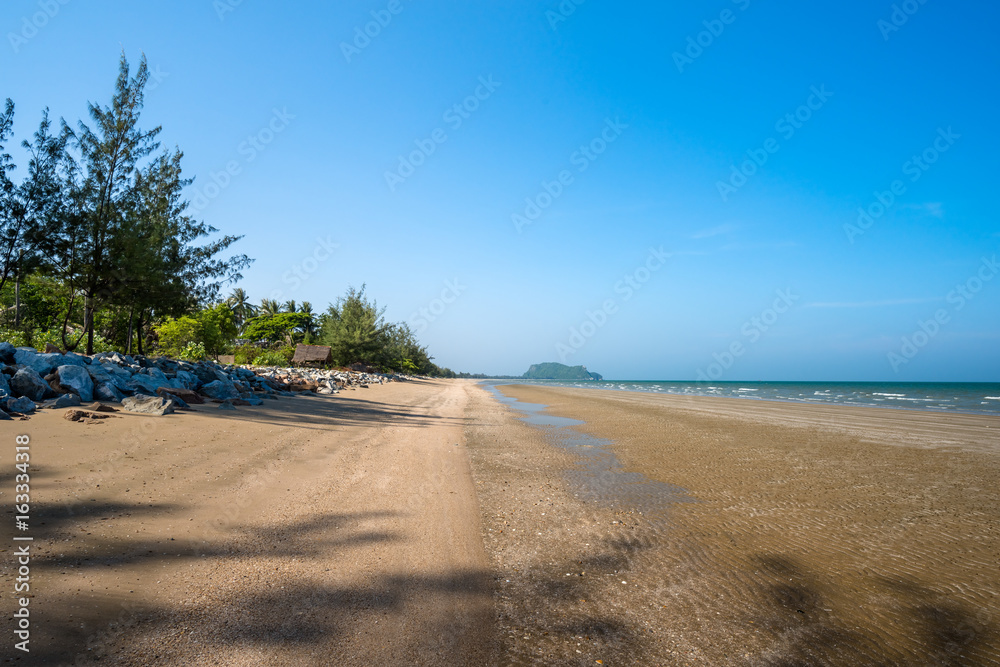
{"type": "Point", "coordinates": [98, 252]}
{"type": "Point", "coordinates": [556, 371]}
{"type": "Point", "coordinates": [96, 240]}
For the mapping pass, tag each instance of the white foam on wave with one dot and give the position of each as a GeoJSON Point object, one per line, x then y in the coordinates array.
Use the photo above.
{"type": "Point", "coordinates": [881, 394]}
{"type": "Point", "coordinates": [745, 389]}
{"type": "Point", "coordinates": [992, 398]}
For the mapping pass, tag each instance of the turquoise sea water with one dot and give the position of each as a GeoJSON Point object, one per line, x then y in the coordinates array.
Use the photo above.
{"type": "Point", "coordinates": [971, 397]}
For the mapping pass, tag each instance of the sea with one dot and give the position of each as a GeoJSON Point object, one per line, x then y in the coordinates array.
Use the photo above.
{"type": "Point", "coordinates": [967, 397]}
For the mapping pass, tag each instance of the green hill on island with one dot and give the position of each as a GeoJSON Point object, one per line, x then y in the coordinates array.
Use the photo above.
{"type": "Point", "coordinates": [556, 371]}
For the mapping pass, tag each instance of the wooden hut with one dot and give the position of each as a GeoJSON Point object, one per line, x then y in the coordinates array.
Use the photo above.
{"type": "Point", "coordinates": [312, 354]}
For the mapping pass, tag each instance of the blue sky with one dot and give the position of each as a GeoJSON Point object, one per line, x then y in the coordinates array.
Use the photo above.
{"type": "Point", "coordinates": [594, 198]}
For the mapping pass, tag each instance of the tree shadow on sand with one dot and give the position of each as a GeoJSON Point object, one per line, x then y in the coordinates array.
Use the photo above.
{"type": "Point", "coordinates": [279, 612]}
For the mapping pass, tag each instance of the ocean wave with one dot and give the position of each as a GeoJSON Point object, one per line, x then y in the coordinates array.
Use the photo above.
{"type": "Point", "coordinates": [881, 394]}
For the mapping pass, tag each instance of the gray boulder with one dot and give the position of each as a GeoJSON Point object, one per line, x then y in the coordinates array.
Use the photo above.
{"type": "Point", "coordinates": [226, 405]}
{"type": "Point", "coordinates": [253, 400]}
{"type": "Point", "coordinates": [99, 374]}
{"type": "Point", "coordinates": [77, 380]}
{"type": "Point", "coordinates": [7, 352]}
{"type": "Point", "coordinates": [149, 381]}
{"type": "Point", "coordinates": [119, 376]}
{"type": "Point", "coordinates": [220, 389]}
{"type": "Point", "coordinates": [108, 392]}
{"type": "Point", "coordinates": [188, 379]}
{"type": "Point", "coordinates": [148, 405]}
{"type": "Point", "coordinates": [204, 372]}
{"type": "Point", "coordinates": [27, 382]}
{"type": "Point", "coordinates": [24, 405]}
{"type": "Point", "coordinates": [4, 385]}
{"type": "Point", "coordinates": [65, 401]}
{"type": "Point", "coordinates": [74, 359]}
{"type": "Point", "coordinates": [4, 415]}
{"type": "Point", "coordinates": [43, 364]}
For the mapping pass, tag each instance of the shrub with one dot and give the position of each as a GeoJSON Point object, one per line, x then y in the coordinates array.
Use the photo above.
{"type": "Point", "coordinates": [192, 352]}
{"type": "Point", "coordinates": [39, 339]}
{"type": "Point", "coordinates": [175, 335]}
{"type": "Point", "coordinates": [271, 358]}
{"type": "Point", "coordinates": [245, 354]}
{"type": "Point", "coordinates": [14, 337]}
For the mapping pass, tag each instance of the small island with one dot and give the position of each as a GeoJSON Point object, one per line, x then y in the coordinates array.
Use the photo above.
{"type": "Point", "coordinates": [557, 371]}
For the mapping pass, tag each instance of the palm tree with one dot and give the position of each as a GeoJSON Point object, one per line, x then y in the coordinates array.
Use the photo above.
{"type": "Point", "coordinates": [268, 307]}
{"type": "Point", "coordinates": [239, 302]}
{"type": "Point", "coordinates": [290, 306]}
{"type": "Point", "coordinates": [310, 327]}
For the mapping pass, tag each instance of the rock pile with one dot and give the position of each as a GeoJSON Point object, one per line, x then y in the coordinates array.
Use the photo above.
{"type": "Point", "coordinates": [153, 385]}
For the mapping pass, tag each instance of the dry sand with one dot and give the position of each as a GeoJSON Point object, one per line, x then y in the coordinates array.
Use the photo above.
{"type": "Point", "coordinates": [308, 531]}
{"type": "Point", "coordinates": [426, 523]}
{"type": "Point", "coordinates": [801, 535]}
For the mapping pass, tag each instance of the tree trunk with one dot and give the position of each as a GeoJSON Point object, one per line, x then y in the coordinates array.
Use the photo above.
{"type": "Point", "coordinates": [88, 322]}
{"type": "Point", "coordinates": [17, 296]}
{"type": "Point", "coordinates": [131, 314]}
{"type": "Point", "coordinates": [138, 334]}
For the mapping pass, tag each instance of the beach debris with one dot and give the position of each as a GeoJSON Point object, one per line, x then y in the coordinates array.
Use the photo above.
{"type": "Point", "coordinates": [85, 416]}
{"type": "Point", "coordinates": [148, 405]}
{"type": "Point", "coordinates": [100, 407]}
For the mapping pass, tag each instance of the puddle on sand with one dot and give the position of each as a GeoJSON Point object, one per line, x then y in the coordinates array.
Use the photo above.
{"type": "Point", "coordinates": [600, 478]}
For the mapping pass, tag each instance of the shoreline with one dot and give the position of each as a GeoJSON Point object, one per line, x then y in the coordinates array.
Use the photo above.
{"type": "Point", "coordinates": [808, 540]}
{"type": "Point", "coordinates": [599, 386]}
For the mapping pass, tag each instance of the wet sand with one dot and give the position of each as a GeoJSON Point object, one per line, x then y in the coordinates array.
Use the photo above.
{"type": "Point", "coordinates": [799, 535]}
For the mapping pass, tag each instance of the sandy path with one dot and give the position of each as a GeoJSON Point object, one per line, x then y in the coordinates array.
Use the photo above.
{"type": "Point", "coordinates": [307, 531]}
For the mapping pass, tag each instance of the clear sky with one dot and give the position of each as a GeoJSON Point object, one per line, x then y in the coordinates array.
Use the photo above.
{"type": "Point", "coordinates": [647, 189]}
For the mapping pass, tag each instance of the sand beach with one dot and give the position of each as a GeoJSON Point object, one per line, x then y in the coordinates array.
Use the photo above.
{"type": "Point", "coordinates": [425, 522]}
